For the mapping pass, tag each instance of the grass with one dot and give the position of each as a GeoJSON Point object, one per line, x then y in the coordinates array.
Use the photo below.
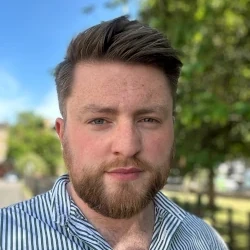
{"type": "Point", "coordinates": [240, 206]}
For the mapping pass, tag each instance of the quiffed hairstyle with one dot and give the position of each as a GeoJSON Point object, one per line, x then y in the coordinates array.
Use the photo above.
{"type": "Point", "coordinates": [119, 40]}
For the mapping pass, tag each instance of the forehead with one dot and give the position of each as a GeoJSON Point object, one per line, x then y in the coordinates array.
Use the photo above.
{"type": "Point", "coordinates": [119, 84]}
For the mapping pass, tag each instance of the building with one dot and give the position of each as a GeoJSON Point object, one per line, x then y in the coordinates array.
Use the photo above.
{"type": "Point", "coordinates": [4, 165]}
{"type": "Point", "coordinates": [3, 142]}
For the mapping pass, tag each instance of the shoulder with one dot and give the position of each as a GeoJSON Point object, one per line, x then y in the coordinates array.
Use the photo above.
{"type": "Point", "coordinates": [187, 229]}
{"type": "Point", "coordinates": [22, 223]}
{"type": "Point", "coordinates": [32, 208]}
{"type": "Point", "coordinates": [31, 225]}
{"type": "Point", "coordinates": [198, 233]}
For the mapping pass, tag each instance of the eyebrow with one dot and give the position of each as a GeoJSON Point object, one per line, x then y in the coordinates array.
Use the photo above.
{"type": "Point", "coordinates": [154, 109]}
{"type": "Point", "coordinates": [93, 108]}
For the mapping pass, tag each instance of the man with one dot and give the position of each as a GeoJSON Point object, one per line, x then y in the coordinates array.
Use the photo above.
{"type": "Point", "coordinates": [116, 89]}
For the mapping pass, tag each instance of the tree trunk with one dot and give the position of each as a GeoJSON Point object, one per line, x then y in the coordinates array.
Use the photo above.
{"type": "Point", "coordinates": [211, 194]}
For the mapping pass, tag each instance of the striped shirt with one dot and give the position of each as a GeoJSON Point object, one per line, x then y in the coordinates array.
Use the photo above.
{"type": "Point", "coordinates": [53, 221]}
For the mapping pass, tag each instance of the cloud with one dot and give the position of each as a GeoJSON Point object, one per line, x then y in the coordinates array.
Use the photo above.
{"type": "Point", "coordinates": [12, 99]}
{"type": "Point", "coordinates": [8, 83]}
{"type": "Point", "coordinates": [49, 106]}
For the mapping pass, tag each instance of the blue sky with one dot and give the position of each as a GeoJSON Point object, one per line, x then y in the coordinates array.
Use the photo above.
{"type": "Point", "coordinates": [33, 39]}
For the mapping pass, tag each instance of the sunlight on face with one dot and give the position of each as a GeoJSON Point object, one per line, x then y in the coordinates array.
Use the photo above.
{"type": "Point", "coordinates": [118, 138]}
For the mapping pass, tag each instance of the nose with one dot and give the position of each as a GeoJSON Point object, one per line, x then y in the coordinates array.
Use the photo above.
{"type": "Point", "coordinates": [126, 140]}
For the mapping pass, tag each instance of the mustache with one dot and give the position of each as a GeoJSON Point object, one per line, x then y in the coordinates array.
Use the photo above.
{"type": "Point", "coordinates": [126, 163]}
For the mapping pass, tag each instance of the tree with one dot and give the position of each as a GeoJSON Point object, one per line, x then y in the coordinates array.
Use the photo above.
{"type": "Point", "coordinates": [31, 138]}
{"type": "Point", "coordinates": [31, 164]}
{"type": "Point", "coordinates": [213, 111]}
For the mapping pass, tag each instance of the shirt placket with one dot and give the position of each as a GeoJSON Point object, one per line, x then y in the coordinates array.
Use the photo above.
{"type": "Point", "coordinates": [85, 232]}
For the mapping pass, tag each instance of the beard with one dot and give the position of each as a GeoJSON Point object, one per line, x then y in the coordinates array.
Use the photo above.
{"type": "Point", "coordinates": [122, 200]}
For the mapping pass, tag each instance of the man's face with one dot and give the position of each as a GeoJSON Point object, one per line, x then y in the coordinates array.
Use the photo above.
{"type": "Point", "coordinates": [118, 137]}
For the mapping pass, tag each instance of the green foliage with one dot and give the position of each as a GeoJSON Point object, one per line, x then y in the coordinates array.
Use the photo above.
{"type": "Point", "coordinates": [213, 111]}
{"type": "Point", "coordinates": [31, 164]}
{"type": "Point", "coordinates": [88, 9]}
{"type": "Point", "coordinates": [115, 3]}
{"type": "Point", "coordinates": [31, 138]}
{"type": "Point", "coordinates": [110, 4]}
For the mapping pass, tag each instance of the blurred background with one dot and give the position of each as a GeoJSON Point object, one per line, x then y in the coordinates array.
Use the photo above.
{"type": "Point", "coordinates": [211, 176]}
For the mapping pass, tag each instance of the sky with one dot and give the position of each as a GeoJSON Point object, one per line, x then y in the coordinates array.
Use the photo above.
{"type": "Point", "coordinates": [34, 35]}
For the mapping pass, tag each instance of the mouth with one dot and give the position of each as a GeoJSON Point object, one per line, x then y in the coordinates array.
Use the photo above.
{"type": "Point", "coordinates": [125, 174]}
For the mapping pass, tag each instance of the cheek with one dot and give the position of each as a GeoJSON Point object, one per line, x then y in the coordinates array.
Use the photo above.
{"type": "Point", "coordinates": [159, 147]}
{"type": "Point", "coordinates": [86, 147]}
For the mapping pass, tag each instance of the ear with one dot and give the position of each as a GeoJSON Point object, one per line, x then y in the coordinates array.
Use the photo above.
{"type": "Point", "coordinates": [59, 126]}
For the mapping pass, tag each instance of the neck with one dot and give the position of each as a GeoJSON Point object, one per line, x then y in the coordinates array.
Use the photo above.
{"type": "Point", "coordinates": [115, 230]}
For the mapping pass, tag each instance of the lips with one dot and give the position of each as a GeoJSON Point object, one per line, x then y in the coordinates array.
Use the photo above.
{"type": "Point", "coordinates": [125, 170]}
{"type": "Point", "coordinates": [124, 174]}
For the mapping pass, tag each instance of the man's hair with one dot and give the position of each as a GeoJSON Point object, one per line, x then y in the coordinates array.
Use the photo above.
{"type": "Point", "coordinates": [118, 40]}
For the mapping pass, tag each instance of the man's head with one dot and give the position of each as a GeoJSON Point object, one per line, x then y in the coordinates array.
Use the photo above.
{"type": "Point", "coordinates": [116, 88]}
{"type": "Point", "coordinates": [118, 40]}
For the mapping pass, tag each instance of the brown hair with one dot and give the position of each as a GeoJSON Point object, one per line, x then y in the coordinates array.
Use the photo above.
{"type": "Point", "coordinates": [118, 40]}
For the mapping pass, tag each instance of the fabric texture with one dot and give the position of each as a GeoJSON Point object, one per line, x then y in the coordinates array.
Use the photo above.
{"type": "Point", "coordinates": [53, 221]}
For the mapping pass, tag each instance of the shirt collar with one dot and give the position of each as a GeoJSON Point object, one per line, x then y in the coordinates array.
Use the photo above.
{"type": "Point", "coordinates": [60, 201]}
{"type": "Point", "coordinates": [165, 206]}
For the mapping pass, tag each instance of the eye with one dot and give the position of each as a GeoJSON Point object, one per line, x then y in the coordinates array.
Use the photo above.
{"type": "Point", "coordinates": [149, 120]}
{"type": "Point", "coordinates": [149, 123]}
{"type": "Point", "coordinates": [98, 121]}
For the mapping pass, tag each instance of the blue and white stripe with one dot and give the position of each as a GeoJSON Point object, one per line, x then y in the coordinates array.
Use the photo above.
{"type": "Point", "coordinates": [53, 221]}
